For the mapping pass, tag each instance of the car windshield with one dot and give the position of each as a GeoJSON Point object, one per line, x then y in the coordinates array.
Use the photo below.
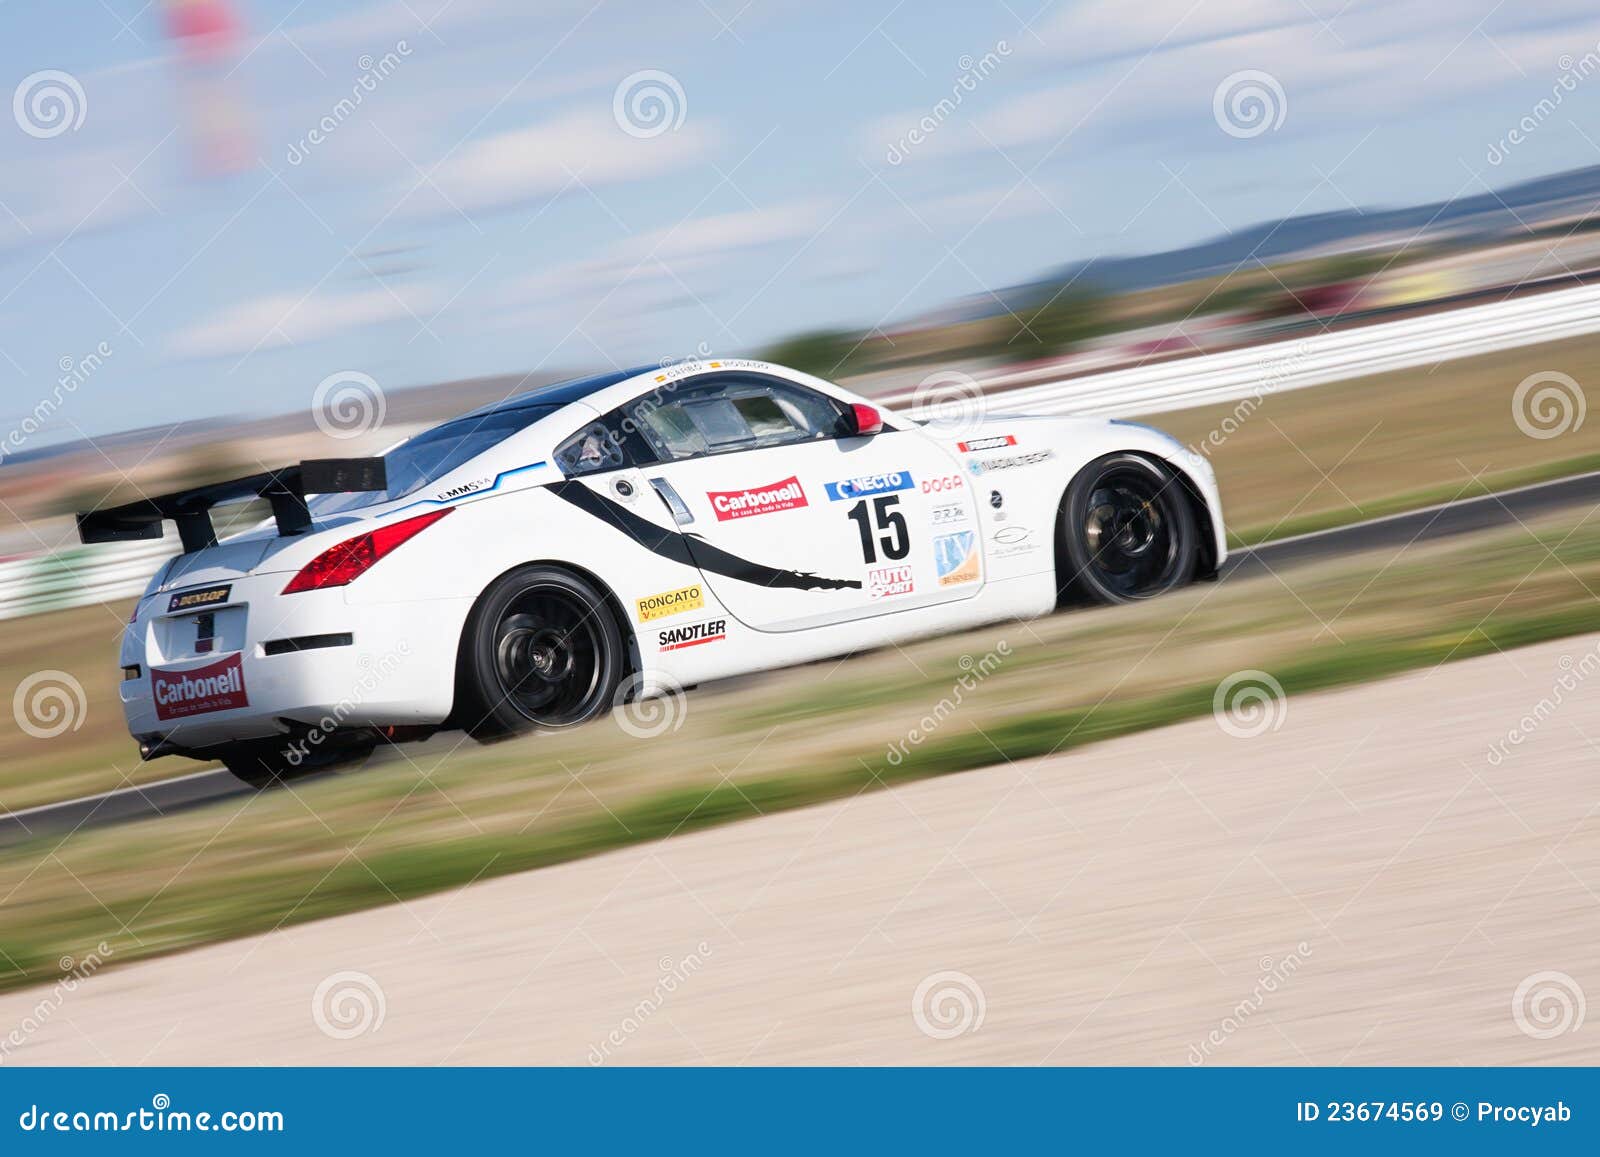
{"type": "Point", "coordinates": [434, 453]}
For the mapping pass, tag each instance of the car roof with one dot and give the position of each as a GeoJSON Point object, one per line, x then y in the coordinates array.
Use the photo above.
{"type": "Point", "coordinates": [560, 393]}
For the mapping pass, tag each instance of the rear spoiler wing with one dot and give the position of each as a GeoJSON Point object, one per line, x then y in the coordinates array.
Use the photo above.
{"type": "Point", "coordinates": [285, 489]}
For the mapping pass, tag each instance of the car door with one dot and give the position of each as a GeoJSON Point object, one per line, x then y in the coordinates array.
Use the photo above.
{"type": "Point", "coordinates": [793, 525]}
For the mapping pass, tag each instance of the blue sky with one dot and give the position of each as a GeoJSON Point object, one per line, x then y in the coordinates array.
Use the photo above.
{"type": "Point", "coordinates": [483, 210]}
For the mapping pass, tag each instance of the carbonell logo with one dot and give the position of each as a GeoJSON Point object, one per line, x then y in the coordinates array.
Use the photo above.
{"type": "Point", "coordinates": [219, 687]}
{"type": "Point", "coordinates": [785, 495]}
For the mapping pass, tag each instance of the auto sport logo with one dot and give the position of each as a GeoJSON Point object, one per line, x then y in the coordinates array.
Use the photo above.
{"type": "Point", "coordinates": [940, 485]}
{"type": "Point", "coordinates": [956, 557]}
{"type": "Point", "coordinates": [785, 495]}
{"type": "Point", "coordinates": [669, 603]}
{"type": "Point", "coordinates": [869, 484]}
{"type": "Point", "coordinates": [692, 635]}
{"type": "Point", "coordinates": [992, 464]}
{"type": "Point", "coordinates": [886, 582]}
{"type": "Point", "coordinates": [219, 687]}
{"type": "Point", "coordinates": [995, 443]}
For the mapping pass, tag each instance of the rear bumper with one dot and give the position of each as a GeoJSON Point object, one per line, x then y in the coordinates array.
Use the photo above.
{"type": "Point", "coordinates": [368, 665]}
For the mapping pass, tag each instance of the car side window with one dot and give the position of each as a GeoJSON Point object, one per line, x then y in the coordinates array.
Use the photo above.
{"type": "Point", "coordinates": [736, 412]}
{"type": "Point", "coordinates": [608, 443]}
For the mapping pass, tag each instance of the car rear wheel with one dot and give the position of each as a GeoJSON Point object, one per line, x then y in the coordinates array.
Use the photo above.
{"type": "Point", "coordinates": [1126, 531]}
{"type": "Point", "coordinates": [542, 650]}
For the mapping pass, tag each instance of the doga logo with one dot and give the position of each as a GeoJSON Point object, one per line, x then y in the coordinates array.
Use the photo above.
{"type": "Point", "coordinates": [219, 687]}
{"type": "Point", "coordinates": [938, 485]}
{"type": "Point", "coordinates": [669, 603]}
{"type": "Point", "coordinates": [691, 634]}
{"type": "Point", "coordinates": [785, 495]}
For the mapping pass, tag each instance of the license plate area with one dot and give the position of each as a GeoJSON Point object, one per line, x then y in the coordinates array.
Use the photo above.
{"type": "Point", "coordinates": [203, 634]}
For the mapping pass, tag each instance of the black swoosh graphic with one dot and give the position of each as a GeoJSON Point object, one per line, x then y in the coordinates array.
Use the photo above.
{"type": "Point", "coordinates": [672, 545]}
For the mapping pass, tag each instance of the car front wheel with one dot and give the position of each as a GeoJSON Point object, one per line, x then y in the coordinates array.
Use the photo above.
{"type": "Point", "coordinates": [1125, 532]}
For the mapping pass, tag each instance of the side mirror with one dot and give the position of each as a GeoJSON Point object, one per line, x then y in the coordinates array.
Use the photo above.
{"type": "Point", "coordinates": [861, 421]}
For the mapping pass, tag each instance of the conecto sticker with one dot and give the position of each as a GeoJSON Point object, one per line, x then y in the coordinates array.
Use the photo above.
{"type": "Point", "coordinates": [769, 499]}
{"type": "Point", "coordinates": [218, 687]}
{"type": "Point", "coordinates": [669, 603]}
{"type": "Point", "coordinates": [869, 484]}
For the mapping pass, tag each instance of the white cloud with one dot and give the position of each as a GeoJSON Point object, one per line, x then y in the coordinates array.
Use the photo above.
{"type": "Point", "coordinates": [280, 319]}
{"type": "Point", "coordinates": [543, 159]}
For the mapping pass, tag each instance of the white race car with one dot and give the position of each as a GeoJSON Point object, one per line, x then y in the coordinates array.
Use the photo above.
{"type": "Point", "coordinates": [625, 535]}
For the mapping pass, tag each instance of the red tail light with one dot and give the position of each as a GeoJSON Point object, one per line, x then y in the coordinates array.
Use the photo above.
{"type": "Point", "coordinates": [347, 561]}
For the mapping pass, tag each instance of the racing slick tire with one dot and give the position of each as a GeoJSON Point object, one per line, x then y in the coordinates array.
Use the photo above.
{"type": "Point", "coordinates": [1125, 531]}
{"type": "Point", "coordinates": [269, 763]}
{"type": "Point", "coordinates": [542, 650]}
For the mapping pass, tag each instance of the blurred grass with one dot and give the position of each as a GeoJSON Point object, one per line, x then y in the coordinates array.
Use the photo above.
{"type": "Point", "coordinates": [442, 818]}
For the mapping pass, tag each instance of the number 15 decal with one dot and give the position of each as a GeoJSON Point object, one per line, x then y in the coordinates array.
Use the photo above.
{"type": "Point", "coordinates": [888, 523]}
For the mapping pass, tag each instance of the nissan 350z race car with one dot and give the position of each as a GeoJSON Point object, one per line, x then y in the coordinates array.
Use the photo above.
{"type": "Point", "coordinates": [536, 562]}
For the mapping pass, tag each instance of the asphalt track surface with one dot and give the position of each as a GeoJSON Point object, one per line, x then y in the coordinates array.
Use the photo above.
{"type": "Point", "coordinates": [1395, 532]}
